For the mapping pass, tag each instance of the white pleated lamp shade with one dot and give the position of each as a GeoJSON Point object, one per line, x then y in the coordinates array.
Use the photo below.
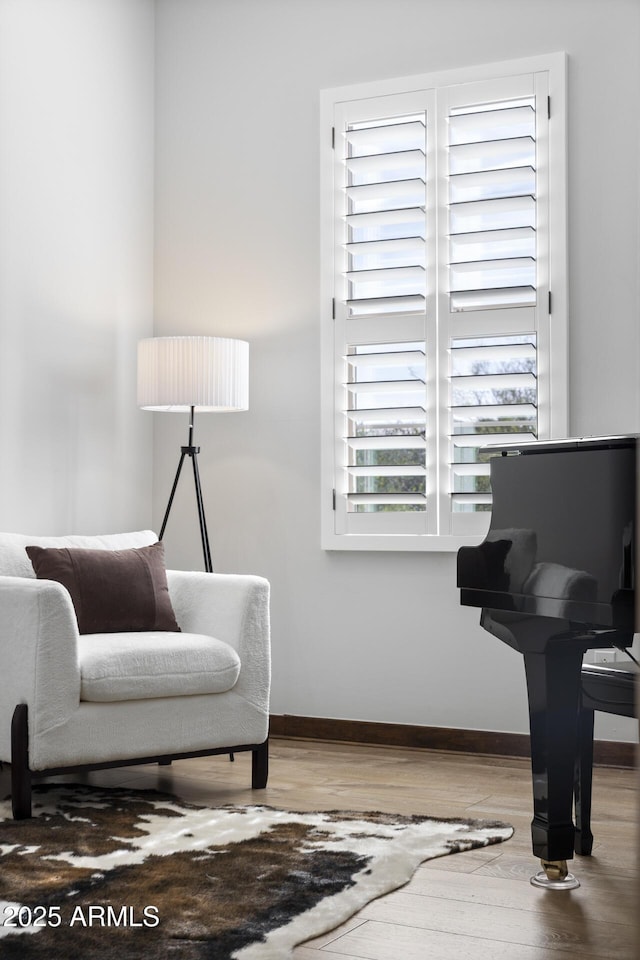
{"type": "Point", "coordinates": [177, 373]}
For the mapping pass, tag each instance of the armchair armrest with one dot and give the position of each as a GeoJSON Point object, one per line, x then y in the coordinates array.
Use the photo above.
{"type": "Point", "coordinates": [38, 653]}
{"type": "Point", "coordinates": [233, 608]}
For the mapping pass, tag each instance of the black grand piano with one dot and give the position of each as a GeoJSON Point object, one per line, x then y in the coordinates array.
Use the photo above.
{"type": "Point", "coordinates": [554, 578]}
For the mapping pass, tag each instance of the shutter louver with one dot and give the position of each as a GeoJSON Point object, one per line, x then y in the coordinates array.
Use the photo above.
{"type": "Point", "coordinates": [385, 194]}
{"type": "Point", "coordinates": [492, 206]}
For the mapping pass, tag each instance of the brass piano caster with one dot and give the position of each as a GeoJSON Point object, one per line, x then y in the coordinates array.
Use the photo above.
{"type": "Point", "coordinates": [555, 876]}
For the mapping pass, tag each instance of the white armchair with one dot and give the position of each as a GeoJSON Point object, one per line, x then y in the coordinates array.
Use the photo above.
{"type": "Point", "coordinates": [70, 700]}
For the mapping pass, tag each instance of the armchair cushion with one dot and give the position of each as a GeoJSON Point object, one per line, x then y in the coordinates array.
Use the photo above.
{"type": "Point", "coordinates": [112, 590]}
{"type": "Point", "coordinates": [138, 666]}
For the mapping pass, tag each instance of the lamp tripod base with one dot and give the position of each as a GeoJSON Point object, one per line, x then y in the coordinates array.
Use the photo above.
{"type": "Point", "coordinates": [191, 451]}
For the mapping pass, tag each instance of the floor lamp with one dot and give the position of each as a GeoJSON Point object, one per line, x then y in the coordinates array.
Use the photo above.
{"type": "Point", "coordinates": [185, 374]}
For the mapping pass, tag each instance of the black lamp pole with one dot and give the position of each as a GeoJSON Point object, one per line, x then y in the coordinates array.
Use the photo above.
{"type": "Point", "coordinates": [191, 451]}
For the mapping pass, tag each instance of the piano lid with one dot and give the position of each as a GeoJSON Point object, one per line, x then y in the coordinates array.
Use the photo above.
{"type": "Point", "coordinates": [562, 535]}
{"type": "Point", "coordinates": [553, 446]}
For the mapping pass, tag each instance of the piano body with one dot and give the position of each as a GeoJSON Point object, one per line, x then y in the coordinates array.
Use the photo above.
{"type": "Point", "coordinates": [555, 577]}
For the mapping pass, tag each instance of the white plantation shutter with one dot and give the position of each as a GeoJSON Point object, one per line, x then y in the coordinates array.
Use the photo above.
{"type": "Point", "coordinates": [384, 229]}
{"type": "Point", "coordinates": [494, 399]}
{"type": "Point", "coordinates": [381, 283]}
{"type": "Point", "coordinates": [494, 306]}
{"type": "Point", "coordinates": [438, 264]}
{"type": "Point", "coordinates": [492, 205]}
{"type": "Point", "coordinates": [385, 428]}
{"type": "Point", "coordinates": [385, 165]}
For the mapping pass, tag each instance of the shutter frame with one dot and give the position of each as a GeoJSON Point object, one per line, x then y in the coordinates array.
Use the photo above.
{"type": "Point", "coordinates": [443, 525]}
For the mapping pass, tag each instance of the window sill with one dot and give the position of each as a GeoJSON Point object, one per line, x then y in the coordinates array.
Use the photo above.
{"type": "Point", "coordinates": [405, 543]}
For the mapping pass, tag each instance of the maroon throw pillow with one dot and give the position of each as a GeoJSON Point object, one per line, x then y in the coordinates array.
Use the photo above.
{"type": "Point", "coordinates": [113, 591]}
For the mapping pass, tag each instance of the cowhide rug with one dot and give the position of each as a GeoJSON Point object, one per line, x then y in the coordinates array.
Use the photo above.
{"type": "Point", "coordinates": [112, 873]}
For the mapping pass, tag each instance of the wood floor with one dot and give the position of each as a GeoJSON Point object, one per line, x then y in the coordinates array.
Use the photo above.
{"type": "Point", "coordinates": [468, 906]}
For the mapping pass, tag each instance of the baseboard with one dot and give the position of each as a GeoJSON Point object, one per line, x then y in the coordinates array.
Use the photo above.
{"type": "Point", "coordinates": [606, 752]}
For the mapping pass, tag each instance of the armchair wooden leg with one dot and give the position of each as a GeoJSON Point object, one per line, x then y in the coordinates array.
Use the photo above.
{"type": "Point", "coordinates": [260, 766]}
{"type": "Point", "coordinates": [20, 773]}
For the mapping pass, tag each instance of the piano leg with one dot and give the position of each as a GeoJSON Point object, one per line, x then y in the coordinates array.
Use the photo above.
{"type": "Point", "coordinates": [553, 684]}
{"type": "Point", "coordinates": [582, 783]}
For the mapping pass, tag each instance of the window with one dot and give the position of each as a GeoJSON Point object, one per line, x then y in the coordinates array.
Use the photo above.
{"type": "Point", "coordinates": [444, 296]}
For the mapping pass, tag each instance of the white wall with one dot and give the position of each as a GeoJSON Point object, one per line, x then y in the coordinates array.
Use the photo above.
{"type": "Point", "coordinates": [364, 636]}
{"type": "Point", "coordinates": [76, 262]}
